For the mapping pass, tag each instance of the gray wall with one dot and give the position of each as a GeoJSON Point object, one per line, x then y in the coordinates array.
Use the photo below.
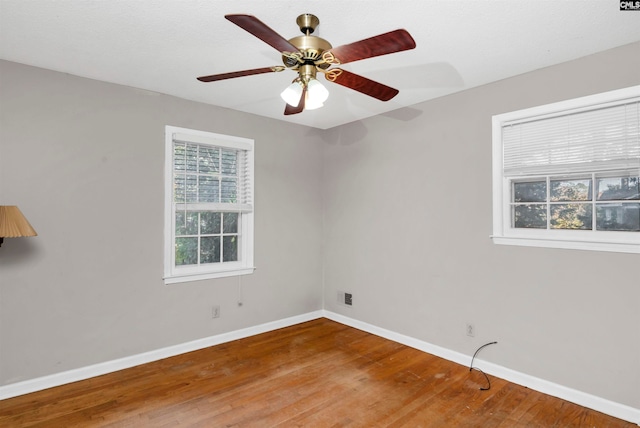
{"type": "Point", "coordinates": [84, 161]}
{"type": "Point", "coordinates": [407, 219]}
{"type": "Point", "coordinates": [395, 209]}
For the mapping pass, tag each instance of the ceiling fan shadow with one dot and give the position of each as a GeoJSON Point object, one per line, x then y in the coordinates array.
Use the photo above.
{"type": "Point", "coordinates": [432, 77]}
{"type": "Point", "coordinates": [404, 114]}
{"type": "Point", "coordinates": [422, 76]}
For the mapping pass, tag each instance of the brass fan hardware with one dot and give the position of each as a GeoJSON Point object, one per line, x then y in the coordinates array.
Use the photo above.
{"type": "Point", "coordinates": [307, 23]}
{"type": "Point", "coordinates": [308, 54]}
{"type": "Point", "coordinates": [333, 74]}
{"type": "Point", "coordinates": [310, 48]}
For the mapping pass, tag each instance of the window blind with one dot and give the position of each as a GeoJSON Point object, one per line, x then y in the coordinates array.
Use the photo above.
{"type": "Point", "coordinates": [209, 177]}
{"type": "Point", "coordinates": [602, 138]}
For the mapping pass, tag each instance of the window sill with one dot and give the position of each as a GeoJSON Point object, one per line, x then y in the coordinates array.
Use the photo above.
{"type": "Point", "coordinates": [617, 247]}
{"type": "Point", "coordinates": [179, 278]}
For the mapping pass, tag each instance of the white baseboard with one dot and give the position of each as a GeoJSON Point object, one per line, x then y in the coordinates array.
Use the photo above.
{"type": "Point", "coordinates": [599, 404]}
{"type": "Point", "coordinates": [57, 379]}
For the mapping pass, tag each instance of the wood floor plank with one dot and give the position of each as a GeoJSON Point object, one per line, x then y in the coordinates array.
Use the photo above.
{"type": "Point", "coordinates": [315, 374]}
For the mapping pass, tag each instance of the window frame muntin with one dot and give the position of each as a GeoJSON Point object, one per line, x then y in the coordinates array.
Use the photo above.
{"type": "Point", "coordinates": [503, 233]}
{"type": "Point", "coordinates": [174, 274]}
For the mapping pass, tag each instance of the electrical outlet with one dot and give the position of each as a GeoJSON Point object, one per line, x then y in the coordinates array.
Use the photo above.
{"type": "Point", "coordinates": [471, 330]}
{"type": "Point", "coordinates": [215, 312]}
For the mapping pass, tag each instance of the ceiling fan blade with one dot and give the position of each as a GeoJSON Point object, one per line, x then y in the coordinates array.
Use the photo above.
{"type": "Point", "coordinates": [223, 76]}
{"type": "Point", "coordinates": [289, 109]}
{"type": "Point", "coordinates": [383, 44]}
{"type": "Point", "coordinates": [259, 29]}
{"type": "Point", "coordinates": [361, 84]}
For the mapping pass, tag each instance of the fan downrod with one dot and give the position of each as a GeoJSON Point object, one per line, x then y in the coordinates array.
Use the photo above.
{"type": "Point", "coordinates": [307, 23]}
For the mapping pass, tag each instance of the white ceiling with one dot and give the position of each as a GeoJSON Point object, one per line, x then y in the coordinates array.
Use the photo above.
{"type": "Point", "coordinates": [163, 45]}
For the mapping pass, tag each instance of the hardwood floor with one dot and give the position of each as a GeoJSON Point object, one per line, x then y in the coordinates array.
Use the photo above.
{"type": "Point", "coordinates": [316, 374]}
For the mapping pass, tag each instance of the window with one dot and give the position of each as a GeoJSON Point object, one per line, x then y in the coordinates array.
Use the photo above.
{"type": "Point", "coordinates": [208, 206]}
{"type": "Point", "coordinates": [567, 175]}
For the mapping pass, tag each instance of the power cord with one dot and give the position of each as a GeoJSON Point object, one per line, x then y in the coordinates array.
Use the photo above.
{"type": "Point", "coordinates": [485, 375]}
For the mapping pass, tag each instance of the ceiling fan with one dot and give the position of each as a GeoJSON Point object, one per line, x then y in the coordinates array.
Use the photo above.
{"type": "Point", "coordinates": [307, 55]}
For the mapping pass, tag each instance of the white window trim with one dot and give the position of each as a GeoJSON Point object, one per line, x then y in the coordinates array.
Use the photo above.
{"type": "Point", "coordinates": [172, 274]}
{"type": "Point", "coordinates": [504, 234]}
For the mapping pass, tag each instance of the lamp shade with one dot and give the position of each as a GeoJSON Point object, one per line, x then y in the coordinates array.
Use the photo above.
{"type": "Point", "coordinates": [13, 224]}
{"type": "Point", "coordinates": [316, 95]}
{"type": "Point", "coordinates": [291, 95]}
{"type": "Point", "coordinates": [317, 92]}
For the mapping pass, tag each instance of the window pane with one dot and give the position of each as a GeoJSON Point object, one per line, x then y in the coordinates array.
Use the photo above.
{"type": "Point", "coordinates": [209, 160]}
{"type": "Point", "coordinates": [190, 227]}
{"type": "Point", "coordinates": [209, 223]}
{"type": "Point", "coordinates": [530, 216]}
{"type": "Point", "coordinates": [535, 191]}
{"type": "Point", "coordinates": [191, 158]}
{"type": "Point", "coordinates": [179, 188]}
{"type": "Point", "coordinates": [618, 217]}
{"type": "Point", "coordinates": [230, 223]}
{"type": "Point", "coordinates": [229, 162]}
{"type": "Point", "coordinates": [571, 216]}
{"type": "Point", "coordinates": [209, 189]}
{"type": "Point", "coordinates": [228, 190]}
{"type": "Point", "coordinates": [180, 224]}
{"type": "Point", "coordinates": [192, 223]}
{"type": "Point", "coordinates": [191, 188]}
{"type": "Point", "coordinates": [210, 249]}
{"type": "Point", "coordinates": [178, 157]}
{"type": "Point", "coordinates": [570, 190]}
{"type": "Point", "coordinates": [618, 188]}
{"type": "Point", "coordinates": [230, 248]}
{"type": "Point", "coordinates": [186, 251]}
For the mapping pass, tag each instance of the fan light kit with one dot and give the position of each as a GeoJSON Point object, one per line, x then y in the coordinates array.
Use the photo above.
{"type": "Point", "coordinates": [309, 55]}
{"type": "Point", "coordinates": [316, 95]}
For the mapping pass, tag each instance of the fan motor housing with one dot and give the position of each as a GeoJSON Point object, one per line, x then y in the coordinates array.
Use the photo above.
{"type": "Point", "coordinates": [310, 47]}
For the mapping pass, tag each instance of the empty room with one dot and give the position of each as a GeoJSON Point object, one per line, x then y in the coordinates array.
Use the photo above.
{"type": "Point", "coordinates": [320, 214]}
